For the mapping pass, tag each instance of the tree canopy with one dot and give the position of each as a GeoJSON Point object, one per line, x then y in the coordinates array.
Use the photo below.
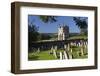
{"type": "Point", "coordinates": [81, 23]}
{"type": "Point", "coordinates": [47, 19]}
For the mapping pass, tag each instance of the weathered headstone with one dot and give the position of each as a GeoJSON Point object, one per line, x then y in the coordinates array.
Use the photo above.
{"type": "Point", "coordinates": [79, 44]}
{"type": "Point", "coordinates": [77, 53]}
{"type": "Point", "coordinates": [82, 52]}
{"type": "Point", "coordinates": [85, 49]}
{"type": "Point", "coordinates": [71, 50]}
{"type": "Point", "coordinates": [61, 55]}
{"type": "Point", "coordinates": [54, 53]}
{"type": "Point", "coordinates": [68, 47]}
{"type": "Point", "coordinates": [85, 46]}
{"type": "Point", "coordinates": [86, 43]}
{"type": "Point", "coordinates": [51, 51]}
{"type": "Point", "coordinates": [38, 50]}
{"type": "Point", "coordinates": [83, 43]}
{"type": "Point", "coordinates": [65, 46]}
{"type": "Point", "coordinates": [70, 55]}
{"type": "Point", "coordinates": [52, 48]}
{"type": "Point", "coordinates": [72, 43]}
{"type": "Point", "coordinates": [55, 47]}
{"type": "Point", "coordinates": [75, 44]}
{"type": "Point", "coordinates": [65, 55]}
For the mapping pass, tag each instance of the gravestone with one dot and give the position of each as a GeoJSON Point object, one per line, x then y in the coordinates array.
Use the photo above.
{"type": "Point", "coordinates": [79, 44]}
{"type": "Point", "coordinates": [70, 56]}
{"type": "Point", "coordinates": [54, 53]}
{"type": "Point", "coordinates": [85, 49]}
{"type": "Point", "coordinates": [70, 53]}
{"type": "Point", "coordinates": [75, 44]}
{"type": "Point", "coordinates": [38, 50]}
{"type": "Point", "coordinates": [77, 53]}
{"type": "Point", "coordinates": [85, 46]}
{"type": "Point", "coordinates": [61, 56]}
{"type": "Point", "coordinates": [86, 43]}
{"type": "Point", "coordinates": [82, 52]}
{"type": "Point", "coordinates": [55, 47]}
{"type": "Point", "coordinates": [71, 50]}
{"type": "Point", "coordinates": [71, 43]}
{"type": "Point", "coordinates": [65, 46]}
{"type": "Point", "coordinates": [68, 47]}
{"type": "Point", "coordinates": [52, 49]}
{"type": "Point", "coordinates": [83, 43]}
{"type": "Point", "coordinates": [65, 55]}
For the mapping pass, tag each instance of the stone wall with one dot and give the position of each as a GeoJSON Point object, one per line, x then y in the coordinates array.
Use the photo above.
{"type": "Point", "coordinates": [60, 44]}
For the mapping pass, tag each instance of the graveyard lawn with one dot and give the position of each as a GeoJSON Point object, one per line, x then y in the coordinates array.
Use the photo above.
{"type": "Point", "coordinates": [45, 55]}
{"type": "Point", "coordinates": [76, 53]}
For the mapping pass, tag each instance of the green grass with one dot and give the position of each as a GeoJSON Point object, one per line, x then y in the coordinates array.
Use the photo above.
{"type": "Point", "coordinates": [78, 37]}
{"type": "Point", "coordinates": [45, 55]}
{"type": "Point", "coordinates": [77, 54]}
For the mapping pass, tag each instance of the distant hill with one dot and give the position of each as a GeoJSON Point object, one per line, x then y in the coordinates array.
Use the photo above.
{"type": "Point", "coordinates": [70, 34]}
{"type": "Point", "coordinates": [49, 33]}
{"type": "Point", "coordinates": [74, 34]}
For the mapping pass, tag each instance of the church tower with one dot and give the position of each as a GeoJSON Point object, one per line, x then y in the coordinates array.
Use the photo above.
{"type": "Point", "coordinates": [63, 32]}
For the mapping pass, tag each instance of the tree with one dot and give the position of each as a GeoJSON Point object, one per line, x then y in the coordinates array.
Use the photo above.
{"type": "Point", "coordinates": [32, 34]}
{"type": "Point", "coordinates": [81, 23]}
{"type": "Point", "coordinates": [47, 19]}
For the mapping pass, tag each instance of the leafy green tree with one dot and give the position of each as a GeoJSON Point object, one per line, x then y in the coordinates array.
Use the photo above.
{"type": "Point", "coordinates": [48, 19]}
{"type": "Point", "coordinates": [32, 34]}
{"type": "Point", "coordinates": [82, 24]}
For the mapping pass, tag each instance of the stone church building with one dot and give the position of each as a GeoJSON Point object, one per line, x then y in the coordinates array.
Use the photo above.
{"type": "Point", "coordinates": [63, 32]}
